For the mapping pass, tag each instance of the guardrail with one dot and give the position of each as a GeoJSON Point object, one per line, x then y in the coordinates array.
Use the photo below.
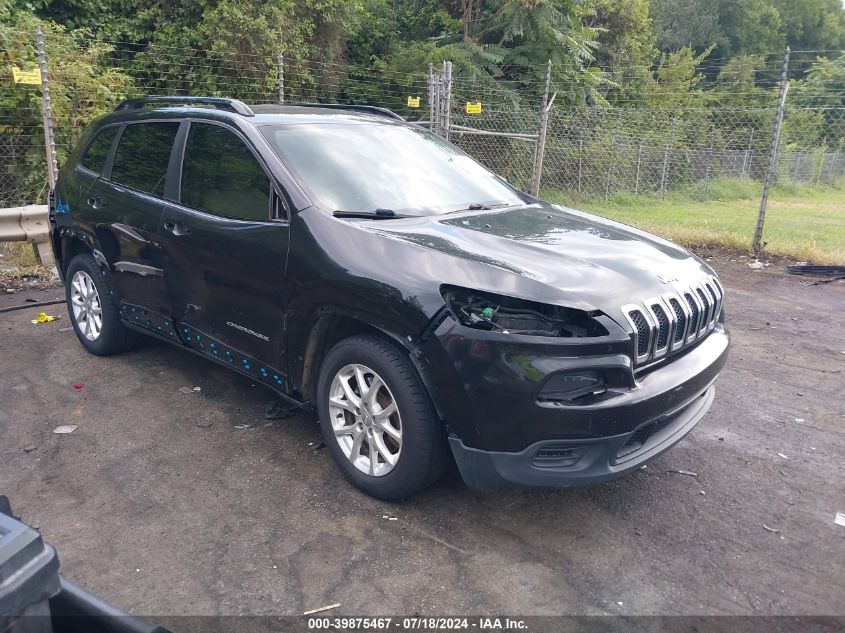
{"type": "Point", "coordinates": [28, 224]}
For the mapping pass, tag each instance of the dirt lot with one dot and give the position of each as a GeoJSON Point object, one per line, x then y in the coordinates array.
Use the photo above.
{"type": "Point", "coordinates": [160, 513]}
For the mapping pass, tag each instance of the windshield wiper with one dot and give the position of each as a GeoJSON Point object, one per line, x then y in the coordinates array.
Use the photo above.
{"type": "Point", "coordinates": [481, 206]}
{"type": "Point", "coordinates": [378, 214]}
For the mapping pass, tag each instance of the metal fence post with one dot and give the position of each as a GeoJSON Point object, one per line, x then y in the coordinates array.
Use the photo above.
{"type": "Point", "coordinates": [709, 169]}
{"type": "Point", "coordinates": [611, 161]}
{"type": "Point", "coordinates": [46, 111]}
{"type": "Point", "coordinates": [821, 164]}
{"type": "Point", "coordinates": [281, 63]}
{"type": "Point", "coordinates": [637, 177]}
{"type": "Point", "coordinates": [666, 160]}
{"type": "Point", "coordinates": [447, 98]}
{"type": "Point", "coordinates": [746, 158]}
{"type": "Point", "coordinates": [756, 244]}
{"type": "Point", "coordinates": [432, 100]}
{"type": "Point", "coordinates": [540, 143]}
{"type": "Point", "coordinates": [580, 158]}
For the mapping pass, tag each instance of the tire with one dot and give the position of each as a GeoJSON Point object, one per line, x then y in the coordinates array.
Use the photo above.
{"type": "Point", "coordinates": [420, 455]}
{"type": "Point", "coordinates": [112, 337]}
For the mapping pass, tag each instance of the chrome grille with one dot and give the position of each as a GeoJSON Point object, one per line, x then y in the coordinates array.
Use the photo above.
{"type": "Point", "coordinates": [673, 321]}
{"type": "Point", "coordinates": [643, 332]}
{"type": "Point", "coordinates": [695, 312]}
{"type": "Point", "coordinates": [664, 327]}
{"type": "Point", "coordinates": [680, 322]}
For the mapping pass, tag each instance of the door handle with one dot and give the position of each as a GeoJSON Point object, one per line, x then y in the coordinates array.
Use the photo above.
{"type": "Point", "coordinates": [176, 227]}
{"type": "Point", "coordinates": [96, 203]}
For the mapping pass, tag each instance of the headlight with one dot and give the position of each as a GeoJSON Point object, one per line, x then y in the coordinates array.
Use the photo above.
{"type": "Point", "coordinates": [508, 315]}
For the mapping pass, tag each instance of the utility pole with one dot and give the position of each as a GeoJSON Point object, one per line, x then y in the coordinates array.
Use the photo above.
{"type": "Point", "coordinates": [756, 244]}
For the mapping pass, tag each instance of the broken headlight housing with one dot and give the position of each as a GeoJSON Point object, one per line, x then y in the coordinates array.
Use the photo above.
{"type": "Point", "coordinates": [509, 315]}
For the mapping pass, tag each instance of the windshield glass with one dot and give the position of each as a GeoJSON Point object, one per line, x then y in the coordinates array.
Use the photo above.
{"type": "Point", "coordinates": [361, 167]}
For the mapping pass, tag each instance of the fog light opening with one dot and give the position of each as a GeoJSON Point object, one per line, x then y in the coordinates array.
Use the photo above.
{"type": "Point", "coordinates": [568, 386]}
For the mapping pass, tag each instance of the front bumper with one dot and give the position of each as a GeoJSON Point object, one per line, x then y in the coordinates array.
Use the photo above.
{"type": "Point", "coordinates": [569, 463]}
{"type": "Point", "coordinates": [501, 432]}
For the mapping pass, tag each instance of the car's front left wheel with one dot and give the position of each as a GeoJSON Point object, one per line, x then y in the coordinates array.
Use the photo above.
{"type": "Point", "coordinates": [377, 420]}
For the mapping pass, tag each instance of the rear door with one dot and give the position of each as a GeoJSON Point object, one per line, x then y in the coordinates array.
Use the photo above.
{"type": "Point", "coordinates": [225, 249]}
{"type": "Point", "coordinates": [126, 203]}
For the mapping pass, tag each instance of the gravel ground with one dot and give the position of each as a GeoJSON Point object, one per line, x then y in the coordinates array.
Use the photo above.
{"type": "Point", "coordinates": [161, 504]}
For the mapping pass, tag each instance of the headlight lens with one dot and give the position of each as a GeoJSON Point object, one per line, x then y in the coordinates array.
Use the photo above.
{"type": "Point", "coordinates": [509, 315]}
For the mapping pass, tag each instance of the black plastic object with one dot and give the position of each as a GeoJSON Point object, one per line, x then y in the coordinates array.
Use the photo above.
{"type": "Point", "coordinates": [75, 609]}
{"type": "Point", "coordinates": [29, 577]}
{"type": "Point", "coordinates": [222, 103]}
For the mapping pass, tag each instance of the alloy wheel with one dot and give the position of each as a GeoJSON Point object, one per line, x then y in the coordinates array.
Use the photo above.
{"type": "Point", "coordinates": [365, 419]}
{"type": "Point", "coordinates": [86, 306]}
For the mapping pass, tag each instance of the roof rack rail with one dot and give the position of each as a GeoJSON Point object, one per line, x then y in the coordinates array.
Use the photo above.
{"type": "Point", "coordinates": [370, 109]}
{"type": "Point", "coordinates": [223, 103]}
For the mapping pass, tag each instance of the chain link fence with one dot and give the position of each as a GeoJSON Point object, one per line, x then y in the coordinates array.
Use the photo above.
{"type": "Point", "coordinates": [596, 151]}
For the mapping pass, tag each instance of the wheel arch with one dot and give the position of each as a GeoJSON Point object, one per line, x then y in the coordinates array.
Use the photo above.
{"type": "Point", "coordinates": [332, 326]}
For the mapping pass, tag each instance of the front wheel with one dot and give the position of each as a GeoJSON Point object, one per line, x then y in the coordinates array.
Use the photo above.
{"type": "Point", "coordinates": [377, 419]}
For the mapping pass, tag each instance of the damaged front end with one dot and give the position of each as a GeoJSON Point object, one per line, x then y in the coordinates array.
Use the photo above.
{"type": "Point", "coordinates": [509, 315]}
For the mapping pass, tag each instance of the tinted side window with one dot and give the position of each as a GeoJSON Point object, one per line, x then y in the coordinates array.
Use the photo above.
{"type": "Point", "coordinates": [95, 155]}
{"type": "Point", "coordinates": [221, 175]}
{"type": "Point", "coordinates": [143, 151]}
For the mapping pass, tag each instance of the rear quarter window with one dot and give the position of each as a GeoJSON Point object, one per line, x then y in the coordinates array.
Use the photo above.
{"type": "Point", "coordinates": [142, 155]}
{"type": "Point", "coordinates": [95, 156]}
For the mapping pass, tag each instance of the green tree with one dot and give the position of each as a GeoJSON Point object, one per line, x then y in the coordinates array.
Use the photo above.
{"type": "Point", "coordinates": [813, 25]}
{"type": "Point", "coordinates": [83, 87]}
{"type": "Point", "coordinates": [749, 26]}
{"type": "Point", "coordinates": [680, 23]}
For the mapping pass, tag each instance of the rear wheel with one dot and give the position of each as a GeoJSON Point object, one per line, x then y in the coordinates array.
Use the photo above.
{"type": "Point", "coordinates": [377, 419]}
{"type": "Point", "coordinates": [93, 310]}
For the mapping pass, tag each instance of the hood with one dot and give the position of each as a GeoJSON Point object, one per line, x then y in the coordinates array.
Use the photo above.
{"type": "Point", "coordinates": [570, 253]}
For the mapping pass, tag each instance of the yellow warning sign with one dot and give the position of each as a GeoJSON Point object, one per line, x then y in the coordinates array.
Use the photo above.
{"type": "Point", "coordinates": [413, 102]}
{"type": "Point", "coordinates": [473, 108]}
{"type": "Point", "coordinates": [31, 77]}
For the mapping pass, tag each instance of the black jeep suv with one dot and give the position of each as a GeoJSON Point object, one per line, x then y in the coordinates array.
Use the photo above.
{"type": "Point", "coordinates": [363, 266]}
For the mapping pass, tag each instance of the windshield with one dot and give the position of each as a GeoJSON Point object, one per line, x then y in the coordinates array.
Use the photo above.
{"type": "Point", "coordinates": [361, 167]}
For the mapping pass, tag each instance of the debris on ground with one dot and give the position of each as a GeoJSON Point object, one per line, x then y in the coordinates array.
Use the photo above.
{"type": "Point", "coordinates": [65, 329]}
{"type": "Point", "coordinates": [43, 317]}
{"type": "Point", "coordinates": [203, 424]}
{"type": "Point", "coordinates": [78, 385]}
{"type": "Point", "coordinates": [684, 472]}
{"type": "Point", "coordinates": [321, 609]}
{"type": "Point", "coordinates": [280, 410]}
{"type": "Point", "coordinates": [242, 426]}
{"type": "Point", "coordinates": [839, 519]}
{"type": "Point", "coordinates": [799, 419]}
{"type": "Point", "coordinates": [197, 389]}
{"type": "Point", "coordinates": [29, 449]}
{"type": "Point", "coordinates": [757, 264]}
{"type": "Point", "coordinates": [768, 529]}
{"type": "Point", "coordinates": [802, 268]}
{"type": "Point", "coordinates": [185, 390]}
{"type": "Point", "coordinates": [65, 428]}
{"type": "Point", "coordinates": [782, 455]}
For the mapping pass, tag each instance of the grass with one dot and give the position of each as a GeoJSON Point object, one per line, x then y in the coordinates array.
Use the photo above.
{"type": "Point", "coordinates": [802, 223]}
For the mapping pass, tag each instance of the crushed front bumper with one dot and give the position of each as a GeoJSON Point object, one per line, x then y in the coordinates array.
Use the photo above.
{"type": "Point", "coordinates": [502, 432]}
{"type": "Point", "coordinates": [569, 463]}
